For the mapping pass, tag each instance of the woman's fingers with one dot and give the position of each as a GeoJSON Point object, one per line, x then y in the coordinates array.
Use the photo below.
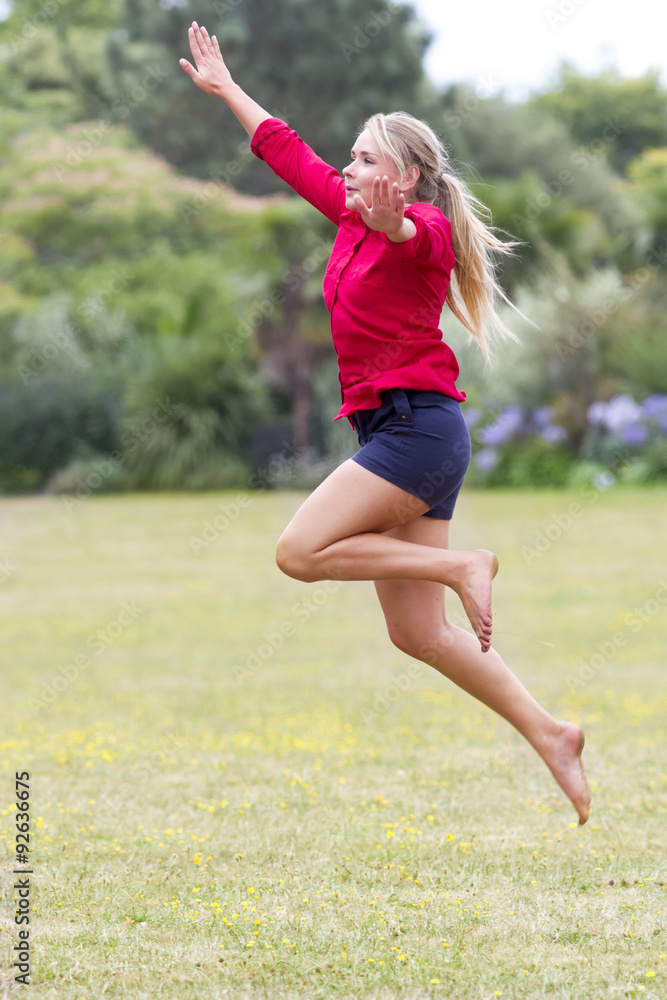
{"type": "Point", "coordinates": [385, 195]}
{"type": "Point", "coordinates": [386, 203]}
{"type": "Point", "coordinates": [362, 208]}
{"type": "Point", "coordinates": [196, 46]}
{"type": "Point", "coordinates": [208, 44]}
{"type": "Point", "coordinates": [204, 46]}
{"type": "Point", "coordinates": [393, 196]}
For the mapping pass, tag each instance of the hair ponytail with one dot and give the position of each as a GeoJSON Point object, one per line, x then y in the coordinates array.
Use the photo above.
{"type": "Point", "coordinates": [474, 289]}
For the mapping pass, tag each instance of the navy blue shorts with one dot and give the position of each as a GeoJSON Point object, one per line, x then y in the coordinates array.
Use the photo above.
{"type": "Point", "coordinates": [417, 440]}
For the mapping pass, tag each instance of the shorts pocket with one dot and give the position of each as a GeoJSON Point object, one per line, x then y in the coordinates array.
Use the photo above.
{"type": "Point", "coordinates": [402, 409]}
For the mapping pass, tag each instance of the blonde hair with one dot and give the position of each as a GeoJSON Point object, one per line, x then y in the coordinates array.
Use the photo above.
{"type": "Point", "coordinates": [474, 288]}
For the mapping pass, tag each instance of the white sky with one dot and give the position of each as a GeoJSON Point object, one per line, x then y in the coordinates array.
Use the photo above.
{"type": "Point", "coordinates": [515, 44]}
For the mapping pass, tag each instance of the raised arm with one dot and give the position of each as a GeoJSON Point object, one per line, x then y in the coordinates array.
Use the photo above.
{"type": "Point", "coordinates": [213, 77]}
{"type": "Point", "coordinates": [283, 150]}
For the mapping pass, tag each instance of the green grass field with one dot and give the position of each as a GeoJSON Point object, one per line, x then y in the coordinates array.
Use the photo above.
{"type": "Point", "coordinates": [240, 787]}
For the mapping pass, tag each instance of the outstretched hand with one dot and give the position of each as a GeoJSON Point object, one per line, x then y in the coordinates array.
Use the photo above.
{"type": "Point", "coordinates": [211, 75]}
{"type": "Point", "coordinates": [385, 213]}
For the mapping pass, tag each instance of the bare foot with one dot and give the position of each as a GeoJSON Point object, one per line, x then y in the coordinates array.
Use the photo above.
{"type": "Point", "coordinates": [563, 758]}
{"type": "Point", "coordinates": [474, 589]}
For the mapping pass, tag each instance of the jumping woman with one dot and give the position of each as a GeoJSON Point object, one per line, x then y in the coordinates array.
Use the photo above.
{"type": "Point", "coordinates": [404, 221]}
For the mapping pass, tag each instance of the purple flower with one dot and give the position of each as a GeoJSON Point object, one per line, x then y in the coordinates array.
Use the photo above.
{"type": "Point", "coordinates": [616, 414]}
{"type": "Point", "coordinates": [655, 406]}
{"type": "Point", "coordinates": [554, 434]}
{"type": "Point", "coordinates": [503, 428]}
{"type": "Point", "coordinates": [472, 415]}
{"type": "Point", "coordinates": [596, 413]}
{"type": "Point", "coordinates": [487, 459]}
{"type": "Point", "coordinates": [494, 434]}
{"type": "Point", "coordinates": [512, 415]}
{"type": "Point", "coordinates": [635, 433]}
{"type": "Point", "coordinates": [543, 416]}
{"type": "Point", "coordinates": [621, 411]}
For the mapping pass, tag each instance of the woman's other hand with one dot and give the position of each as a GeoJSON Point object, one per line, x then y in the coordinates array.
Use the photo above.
{"type": "Point", "coordinates": [211, 75]}
{"type": "Point", "coordinates": [385, 213]}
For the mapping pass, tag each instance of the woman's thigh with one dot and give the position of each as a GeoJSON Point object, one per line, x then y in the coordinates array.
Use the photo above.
{"type": "Point", "coordinates": [350, 501]}
{"type": "Point", "coordinates": [414, 610]}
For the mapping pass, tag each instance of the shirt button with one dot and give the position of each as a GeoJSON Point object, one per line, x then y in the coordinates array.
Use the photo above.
{"type": "Point", "coordinates": [403, 417]}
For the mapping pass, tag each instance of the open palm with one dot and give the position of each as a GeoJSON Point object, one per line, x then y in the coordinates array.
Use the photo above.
{"type": "Point", "coordinates": [211, 74]}
{"type": "Point", "coordinates": [385, 213]}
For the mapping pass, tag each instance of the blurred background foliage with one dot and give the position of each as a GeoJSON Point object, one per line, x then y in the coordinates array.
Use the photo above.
{"type": "Point", "coordinates": [161, 317]}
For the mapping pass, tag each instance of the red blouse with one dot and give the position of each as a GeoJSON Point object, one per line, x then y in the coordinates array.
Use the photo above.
{"type": "Point", "coordinates": [385, 298]}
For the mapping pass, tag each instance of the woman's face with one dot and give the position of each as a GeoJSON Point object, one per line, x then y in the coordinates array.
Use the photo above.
{"type": "Point", "coordinates": [367, 163]}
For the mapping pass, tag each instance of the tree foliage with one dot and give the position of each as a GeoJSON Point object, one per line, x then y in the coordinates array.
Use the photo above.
{"type": "Point", "coordinates": [541, 188]}
{"type": "Point", "coordinates": [26, 16]}
{"type": "Point", "coordinates": [648, 186]}
{"type": "Point", "coordinates": [124, 282]}
{"type": "Point", "coordinates": [321, 67]}
{"type": "Point", "coordinates": [626, 116]}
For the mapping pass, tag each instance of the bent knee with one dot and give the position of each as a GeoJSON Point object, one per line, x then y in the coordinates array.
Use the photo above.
{"type": "Point", "coordinates": [294, 559]}
{"type": "Point", "coordinates": [421, 643]}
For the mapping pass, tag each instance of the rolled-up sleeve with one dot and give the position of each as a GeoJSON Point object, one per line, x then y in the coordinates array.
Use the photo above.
{"type": "Point", "coordinates": [296, 163]}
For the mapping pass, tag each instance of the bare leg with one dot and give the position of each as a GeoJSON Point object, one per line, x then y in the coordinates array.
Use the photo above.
{"type": "Point", "coordinates": [340, 532]}
{"type": "Point", "coordinates": [456, 655]}
{"type": "Point", "coordinates": [415, 615]}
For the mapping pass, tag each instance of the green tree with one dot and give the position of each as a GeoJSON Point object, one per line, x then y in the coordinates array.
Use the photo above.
{"type": "Point", "coordinates": [128, 281]}
{"type": "Point", "coordinates": [323, 68]}
{"type": "Point", "coordinates": [647, 177]}
{"type": "Point", "coordinates": [623, 116]}
{"type": "Point", "coordinates": [560, 199]}
{"type": "Point", "coordinates": [26, 16]}
{"type": "Point", "coordinates": [292, 325]}
{"type": "Point", "coordinates": [53, 58]}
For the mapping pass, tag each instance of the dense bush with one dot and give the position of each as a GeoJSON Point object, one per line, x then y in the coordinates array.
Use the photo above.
{"type": "Point", "coordinates": [45, 426]}
{"type": "Point", "coordinates": [189, 416]}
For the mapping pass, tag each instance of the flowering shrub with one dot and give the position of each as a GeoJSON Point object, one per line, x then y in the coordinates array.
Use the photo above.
{"type": "Point", "coordinates": [629, 438]}
{"type": "Point", "coordinates": [523, 447]}
{"type": "Point", "coordinates": [518, 447]}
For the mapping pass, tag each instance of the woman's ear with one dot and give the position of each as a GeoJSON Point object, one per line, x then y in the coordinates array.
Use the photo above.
{"type": "Point", "coordinates": [410, 178]}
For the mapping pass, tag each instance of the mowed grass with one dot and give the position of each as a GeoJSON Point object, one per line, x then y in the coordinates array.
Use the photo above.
{"type": "Point", "coordinates": [242, 788]}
